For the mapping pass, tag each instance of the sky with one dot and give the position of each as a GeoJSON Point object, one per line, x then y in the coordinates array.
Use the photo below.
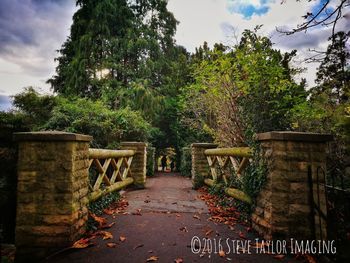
{"type": "Point", "coordinates": [32, 30]}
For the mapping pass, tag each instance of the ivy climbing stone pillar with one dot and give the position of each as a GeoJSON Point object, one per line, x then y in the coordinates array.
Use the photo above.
{"type": "Point", "coordinates": [200, 167]}
{"type": "Point", "coordinates": [295, 181]}
{"type": "Point", "coordinates": [138, 165]}
{"type": "Point", "coordinates": [51, 192]}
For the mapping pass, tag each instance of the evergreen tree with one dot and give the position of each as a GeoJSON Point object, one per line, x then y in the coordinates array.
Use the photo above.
{"type": "Point", "coordinates": [333, 74]}
{"type": "Point", "coordinates": [114, 43]}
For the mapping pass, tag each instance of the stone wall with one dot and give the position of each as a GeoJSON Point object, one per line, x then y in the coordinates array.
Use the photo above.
{"type": "Point", "coordinates": [285, 207]}
{"type": "Point", "coordinates": [52, 192]}
{"type": "Point", "coordinates": [200, 168]}
{"type": "Point", "coordinates": [138, 166]}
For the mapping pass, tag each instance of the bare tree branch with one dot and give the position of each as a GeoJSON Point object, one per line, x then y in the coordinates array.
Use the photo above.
{"type": "Point", "coordinates": [323, 17]}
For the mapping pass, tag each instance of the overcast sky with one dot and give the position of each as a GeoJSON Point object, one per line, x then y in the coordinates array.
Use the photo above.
{"type": "Point", "coordinates": [32, 30]}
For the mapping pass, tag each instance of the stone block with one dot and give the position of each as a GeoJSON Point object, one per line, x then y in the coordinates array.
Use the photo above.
{"type": "Point", "coordinates": [46, 210]}
{"type": "Point", "coordinates": [299, 210]}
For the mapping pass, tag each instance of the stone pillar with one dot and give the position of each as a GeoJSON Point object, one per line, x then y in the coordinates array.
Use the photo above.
{"type": "Point", "coordinates": [200, 167]}
{"type": "Point", "coordinates": [51, 192]}
{"type": "Point", "coordinates": [284, 207]}
{"type": "Point", "coordinates": [138, 165]}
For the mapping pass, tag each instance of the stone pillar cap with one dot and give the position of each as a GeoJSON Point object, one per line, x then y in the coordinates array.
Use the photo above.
{"type": "Point", "coordinates": [204, 145]}
{"type": "Point", "coordinates": [294, 136]}
{"type": "Point", "coordinates": [134, 143]}
{"type": "Point", "coordinates": [51, 136]}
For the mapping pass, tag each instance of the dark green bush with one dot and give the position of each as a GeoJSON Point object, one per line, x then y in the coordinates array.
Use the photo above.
{"type": "Point", "coordinates": [186, 161]}
{"type": "Point", "coordinates": [99, 205]}
{"type": "Point", "coordinates": [150, 161]}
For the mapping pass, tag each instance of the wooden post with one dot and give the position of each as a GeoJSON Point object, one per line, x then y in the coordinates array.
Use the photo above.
{"type": "Point", "coordinates": [51, 193]}
{"type": "Point", "coordinates": [200, 167]}
{"type": "Point", "coordinates": [138, 165]}
{"type": "Point", "coordinates": [284, 206]}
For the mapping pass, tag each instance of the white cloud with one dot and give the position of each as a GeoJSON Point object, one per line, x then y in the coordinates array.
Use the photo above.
{"type": "Point", "coordinates": [30, 34]}
{"type": "Point", "coordinates": [211, 21]}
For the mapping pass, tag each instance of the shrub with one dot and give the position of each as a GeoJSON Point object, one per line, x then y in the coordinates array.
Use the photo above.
{"type": "Point", "coordinates": [186, 161]}
{"type": "Point", "coordinates": [150, 161]}
{"type": "Point", "coordinates": [94, 118]}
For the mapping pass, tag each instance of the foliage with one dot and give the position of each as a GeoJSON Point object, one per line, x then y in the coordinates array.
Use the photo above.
{"type": "Point", "coordinates": [81, 115]}
{"type": "Point", "coordinates": [186, 161]}
{"type": "Point", "coordinates": [255, 175]}
{"type": "Point", "coordinates": [150, 161]}
{"type": "Point", "coordinates": [241, 91]}
{"type": "Point", "coordinates": [99, 205]}
{"type": "Point", "coordinates": [327, 109]}
{"type": "Point", "coordinates": [13, 121]}
{"type": "Point", "coordinates": [123, 53]}
{"type": "Point", "coordinates": [197, 181]}
{"type": "Point", "coordinates": [35, 109]}
{"type": "Point", "coordinates": [93, 118]}
{"type": "Point", "coordinates": [112, 44]}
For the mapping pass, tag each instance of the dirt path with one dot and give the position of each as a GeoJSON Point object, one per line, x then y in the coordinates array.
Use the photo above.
{"type": "Point", "coordinates": [171, 217]}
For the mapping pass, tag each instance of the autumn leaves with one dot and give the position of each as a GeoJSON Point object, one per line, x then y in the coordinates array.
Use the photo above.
{"type": "Point", "coordinates": [118, 207]}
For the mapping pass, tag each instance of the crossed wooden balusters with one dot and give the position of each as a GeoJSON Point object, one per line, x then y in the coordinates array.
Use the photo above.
{"type": "Point", "coordinates": [119, 161]}
{"type": "Point", "coordinates": [221, 158]}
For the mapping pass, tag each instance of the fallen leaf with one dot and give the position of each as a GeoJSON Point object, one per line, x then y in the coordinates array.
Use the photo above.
{"type": "Point", "coordinates": [139, 245]}
{"type": "Point", "coordinates": [105, 235]}
{"type": "Point", "coordinates": [100, 220]}
{"type": "Point", "coordinates": [152, 258]}
{"type": "Point", "coordinates": [82, 243]}
{"type": "Point", "coordinates": [147, 201]}
{"type": "Point", "coordinates": [208, 232]}
{"type": "Point", "coordinates": [122, 238]}
{"type": "Point", "coordinates": [196, 217]}
{"type": "Point", "coordinates": [107, 226]}
{"type": "Point", "coordinates": [183, 229]}
{"type": "Point", "coordinates": [179, 260]}
{"type": "Point", "coordinates": [222, 253]}
{"type": "Point", "coordinates": [111, 244]}
{"type": "Point", "coordinates": [138, 212]}
{"type": "Point", "coordinates": [279, 256]}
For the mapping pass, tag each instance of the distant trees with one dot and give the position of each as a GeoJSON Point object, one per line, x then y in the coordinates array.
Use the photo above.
{"type": "Point", "coordinates": [329, 99]}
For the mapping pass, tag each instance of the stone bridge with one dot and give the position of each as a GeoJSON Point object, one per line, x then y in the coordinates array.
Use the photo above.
{"type": "Point", "coordinates": [55, 185]}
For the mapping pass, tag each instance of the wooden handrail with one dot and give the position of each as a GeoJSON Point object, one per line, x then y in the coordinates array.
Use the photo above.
{"type": "Point", "coordinates": [113, 169]}
{"type": "Point", "coordinates": [236, 151]}
{"type": "Point", "coordinates": [104, 154]}
{"type": "Point", "coordinates": [221, 158]}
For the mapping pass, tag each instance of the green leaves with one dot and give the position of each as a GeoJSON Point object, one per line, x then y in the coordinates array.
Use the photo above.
{"type": "Point", "coordinates": [241, 91]}
{"type": "Point", "coordinates": [129, 40]}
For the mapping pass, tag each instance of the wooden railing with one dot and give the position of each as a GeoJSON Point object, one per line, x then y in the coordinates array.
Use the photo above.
{"type": "Point", "coordinates": [109, 170]}
{"type": "Point", "coordinates": [220, 160]}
